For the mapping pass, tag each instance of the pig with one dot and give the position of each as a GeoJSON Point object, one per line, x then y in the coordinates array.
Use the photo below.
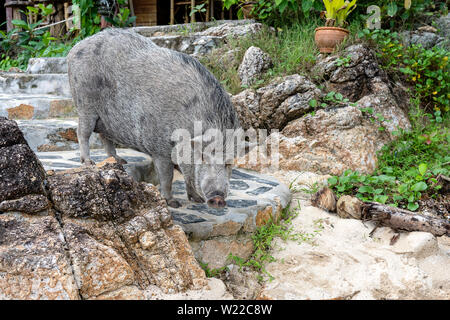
{"type": "Point", "coordinates": [135, 93]}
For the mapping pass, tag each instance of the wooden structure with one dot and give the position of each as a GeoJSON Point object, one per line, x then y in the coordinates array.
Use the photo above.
{"type": "Point", "coordinates": [147, 12]}
{"type": "Point", "coordinates": [210, 6]}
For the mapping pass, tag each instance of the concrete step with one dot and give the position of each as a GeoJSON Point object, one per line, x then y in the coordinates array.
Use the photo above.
{"type": "Point", "coordinates": [140, 166]}
{"type": "Point", "coordinates": [54, 134]}
{"type": "Point", "coordinates": [36, 106]}
{"type": "Point", "coordinates": [28, 83]}
{"type": "Point", "coordinates": [47, 65]}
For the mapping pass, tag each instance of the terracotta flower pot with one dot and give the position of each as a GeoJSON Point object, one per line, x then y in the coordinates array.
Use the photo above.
{"type": "Point", "coordinates": [327, 38]}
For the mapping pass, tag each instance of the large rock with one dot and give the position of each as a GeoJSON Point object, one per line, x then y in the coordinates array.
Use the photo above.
{"type": "Point", "coordinates": [21, 173]}
{"type": "Point", "coordinates": [328, 142]}
{"type": "Point", "coordinates": [273, 106]}
{"type": "Point", "coordinates": [429, 37]}
{"type": "Point", "coordinates": [363, 81]}
{"type": "Point", "coordinates": [33, 260]}
{"type": "Point", "coordinates": [111, 220]}
{"type": "Point", "coordinates": [254, 64]}
{"type": "Point", "coordinates": [105, 235]}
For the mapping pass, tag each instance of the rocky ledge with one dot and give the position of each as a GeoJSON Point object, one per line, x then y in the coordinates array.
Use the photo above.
{"type": "Point", "coordinates": [86, 233]}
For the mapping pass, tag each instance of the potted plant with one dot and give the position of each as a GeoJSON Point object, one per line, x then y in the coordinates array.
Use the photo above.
{"type": "Point", "coordinates": [334, 32]}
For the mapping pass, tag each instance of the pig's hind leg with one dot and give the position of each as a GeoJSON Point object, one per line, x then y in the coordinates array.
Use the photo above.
{"type": "Point", "coordinates": [86, 125]}
{"type": "Point", "coordinates": [110, 149]}
{"type": "Point", "coordinates": [164, 167]}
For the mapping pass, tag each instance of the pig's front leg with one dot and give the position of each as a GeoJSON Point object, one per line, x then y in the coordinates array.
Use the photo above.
{"type": "Point", "coordinates": [164, 167]}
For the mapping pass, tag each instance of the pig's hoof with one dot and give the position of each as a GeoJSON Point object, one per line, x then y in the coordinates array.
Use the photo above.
{"type": "Point", "coordinates": [173, 203]}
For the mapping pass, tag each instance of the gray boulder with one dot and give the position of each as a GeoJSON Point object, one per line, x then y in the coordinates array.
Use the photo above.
{"type": "Point", "coordinates": [254, 64]}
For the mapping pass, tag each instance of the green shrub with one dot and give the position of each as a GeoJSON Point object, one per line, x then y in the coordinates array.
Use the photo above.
{"type": "Point", "coordinates": [90, 19]}
{"type": "Point", "coordinates": [394, 13]}
{"type": "Point", "coordinates": [427, 70]}
{"type": "Point", "coordinates": [407, 167]}
{"type": "Point", "coordinates": [27, 40]}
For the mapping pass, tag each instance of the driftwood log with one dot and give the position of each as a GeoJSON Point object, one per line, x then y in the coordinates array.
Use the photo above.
{"type": "Point", "coordinates": [401, 219]}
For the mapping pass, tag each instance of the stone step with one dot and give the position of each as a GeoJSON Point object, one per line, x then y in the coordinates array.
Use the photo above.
{"type": "Point", "coordinates": [140, 166]}
{"type": "Point", "coordinates": [150, 31]}
{"type": "Point", "coordinates": [36, 106]}
{"type": "Point", "coordinates": [47, 65]}
{"type": "Point", "coordinates": [253, 198]}
{"type": "Point", "coordinates": [213, 234]}
{"type": "Point", "coordinates": [42, 84]}
{"type": "Point", "coordinates": [54, 135]}
{"type": "Point", "coordinates": [189, 44]}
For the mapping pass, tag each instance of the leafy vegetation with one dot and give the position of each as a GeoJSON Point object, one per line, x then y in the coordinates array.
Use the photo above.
{"type": "Point", "coordinates": [89, 17]}
{"type": "Point", "coordinates": [292, 50]}
{"type": "Point", "coordinates": [400, 14]}
{"type": "Point", "coordinates": [427, 70]}
{"type": "Point", "coordinates": [122, 18]}
{"type": "Point", "coordinates": [27, 40]}
{"type": "Point", "coordinates": [407, 167]}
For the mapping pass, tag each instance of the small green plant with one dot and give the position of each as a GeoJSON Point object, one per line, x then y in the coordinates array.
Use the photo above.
{"type": "Point", "coordinates": [7, 63]}
{"type": "Point", "coordinates": [399, 14]}
{"type": "Point", "coordinates": [198, 8]}
{"type": "Point", "coordinates": [343, 61]}
{"type": "Point", "coordinates": [212, 273]}
{"type": "Point", "coordinates": [266, 234]}
{"type": "Point", "coordinates": [28, 40]}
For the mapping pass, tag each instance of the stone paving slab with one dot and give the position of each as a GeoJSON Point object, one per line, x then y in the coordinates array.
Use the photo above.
{"type": "Point", "coordinates": [252, 200]}
{"type": "Point", "coordinates": [140, 166]}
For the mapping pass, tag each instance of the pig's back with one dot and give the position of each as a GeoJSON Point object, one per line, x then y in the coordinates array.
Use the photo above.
{"type": "Point", "coordinates": [141, 91]}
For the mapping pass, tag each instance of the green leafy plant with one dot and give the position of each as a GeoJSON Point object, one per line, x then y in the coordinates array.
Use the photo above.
{"type": "Point", "coordinates": [212, 273]}
{"type": "Point", "coordinates": [407, 167]}
{"type": "Point", "coordinates": [427, 70]}
{"type": "Point", "coordinates": [266, 234]}
{"type": "Point", "coordinates": [337, 12]}
{"type": "Point", "coordinates": [89, 17]}
{"type": "Point", "coordinates": [404, 13]}
{"type": "Point", "coordinates": [198, 8]}
{"type": "Point", "coordinates": [122, 18]}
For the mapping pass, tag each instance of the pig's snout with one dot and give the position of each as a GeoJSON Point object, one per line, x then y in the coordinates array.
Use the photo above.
{"type": "Point", "coordinates": [216, 202]}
